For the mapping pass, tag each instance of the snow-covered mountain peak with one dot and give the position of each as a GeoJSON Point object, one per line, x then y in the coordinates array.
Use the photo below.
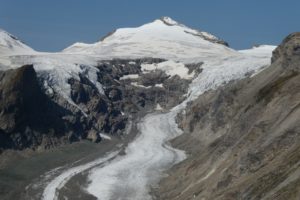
{"type": "Point", "coordinates": [11, 45]}
{"type": "Point", "coordinates": [161, 38]}
{"type": "Point", "coordinates": [166, 26]}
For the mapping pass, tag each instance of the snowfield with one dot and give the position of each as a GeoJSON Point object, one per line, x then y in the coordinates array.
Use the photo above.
{"type": "Point", "coordinates": [148, 156]}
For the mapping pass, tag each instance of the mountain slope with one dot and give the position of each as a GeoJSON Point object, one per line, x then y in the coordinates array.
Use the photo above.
{"type": "Point", "coordinates": [10, 45]}
{"type": "Point", "coordinates": [28, 118]}
{"type": "Point", "coordinates": [243, 139]}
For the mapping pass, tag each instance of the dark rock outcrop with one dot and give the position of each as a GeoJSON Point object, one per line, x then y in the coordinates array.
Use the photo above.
{"type": "Point", "coordinates": [244, 138]}
{"type": "Point", "coordinates": [27, 117]}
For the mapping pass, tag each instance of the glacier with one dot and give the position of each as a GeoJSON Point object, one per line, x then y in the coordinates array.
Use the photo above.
{"type": "Point", "coordinates": [149, 155]}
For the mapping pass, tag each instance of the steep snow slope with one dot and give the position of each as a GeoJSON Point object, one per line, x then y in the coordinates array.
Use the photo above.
{"type": "Point", "coordinates": [10, 45]}
{"type": "Point", "coordinates": [162, 38]}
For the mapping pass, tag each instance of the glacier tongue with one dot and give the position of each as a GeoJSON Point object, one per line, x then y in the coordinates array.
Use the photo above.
{"type": "Point", "coordinates": [148, 156]}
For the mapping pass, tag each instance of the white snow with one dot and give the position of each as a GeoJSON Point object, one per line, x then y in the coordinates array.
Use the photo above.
{"type": "Point", "coordinates": [130, 76]}
{"type": "Point", "coordinates": [170, 67]}
{"type": "Point", "coordinates": [9, 45]}
{"type": "Point", "coordinates": [128, 177]}
{"type": "Point", "coordinates": [155, 39]}
{"type": "Point", "coordinates": [138, 85]}
{"type": "Point", "coordinates": [105, 136]}
{"type": "Point", "coordinates": [260, 51]}
{"type": "Point", "coordinates": [159, 85]}
{"type": "Point", "coordinates": [158, 107]}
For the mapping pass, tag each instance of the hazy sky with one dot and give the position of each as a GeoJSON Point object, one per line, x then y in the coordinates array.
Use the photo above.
{"type": "Point", "coordinates": [52, 25]}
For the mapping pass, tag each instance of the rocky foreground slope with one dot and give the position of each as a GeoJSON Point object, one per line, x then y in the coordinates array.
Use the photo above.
{"type": "Point", "coordinates": [243, 139]}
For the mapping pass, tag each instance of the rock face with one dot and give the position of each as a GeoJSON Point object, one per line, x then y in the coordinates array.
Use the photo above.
{"type": "Point", "coordinates": [33, 117]}
{"type": "Point", "coordinates": [28, 118]}
{"type": "Point", "coordinates": [244, 138]}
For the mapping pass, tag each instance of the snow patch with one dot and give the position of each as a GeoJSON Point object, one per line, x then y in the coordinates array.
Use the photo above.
{"type": "Point", "coordinates": [130, 76]}
{"type": "Point", "coordinates": [104, 136]}
{"type": "Point", "coordinates": [159, 85]}
{"type": "Point", "coordinates": [156, 40]}
{"type": "Point", "coordinates": [141, 86]}
{"type": "Point", "coordinates": [170, 67]}
{"type": "Point", "coordinates": [158, 107]}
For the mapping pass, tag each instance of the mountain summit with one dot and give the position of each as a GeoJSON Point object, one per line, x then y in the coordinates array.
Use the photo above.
{"type": "Point", "coordinates": [164, 38]}
{"type": "Point", "coordinates": [10, 44]}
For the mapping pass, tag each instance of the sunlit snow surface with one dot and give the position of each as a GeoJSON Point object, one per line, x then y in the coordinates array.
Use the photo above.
{"type": "Point", "coordinates": [170, 67]}
{"type": "Point", "coordinates": [9, 45]}
{"type": "Point", "coordinates": [155, 39]}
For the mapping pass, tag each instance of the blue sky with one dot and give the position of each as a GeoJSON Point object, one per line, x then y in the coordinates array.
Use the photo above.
{"type": "Point", "coordinates": [52, 25]}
